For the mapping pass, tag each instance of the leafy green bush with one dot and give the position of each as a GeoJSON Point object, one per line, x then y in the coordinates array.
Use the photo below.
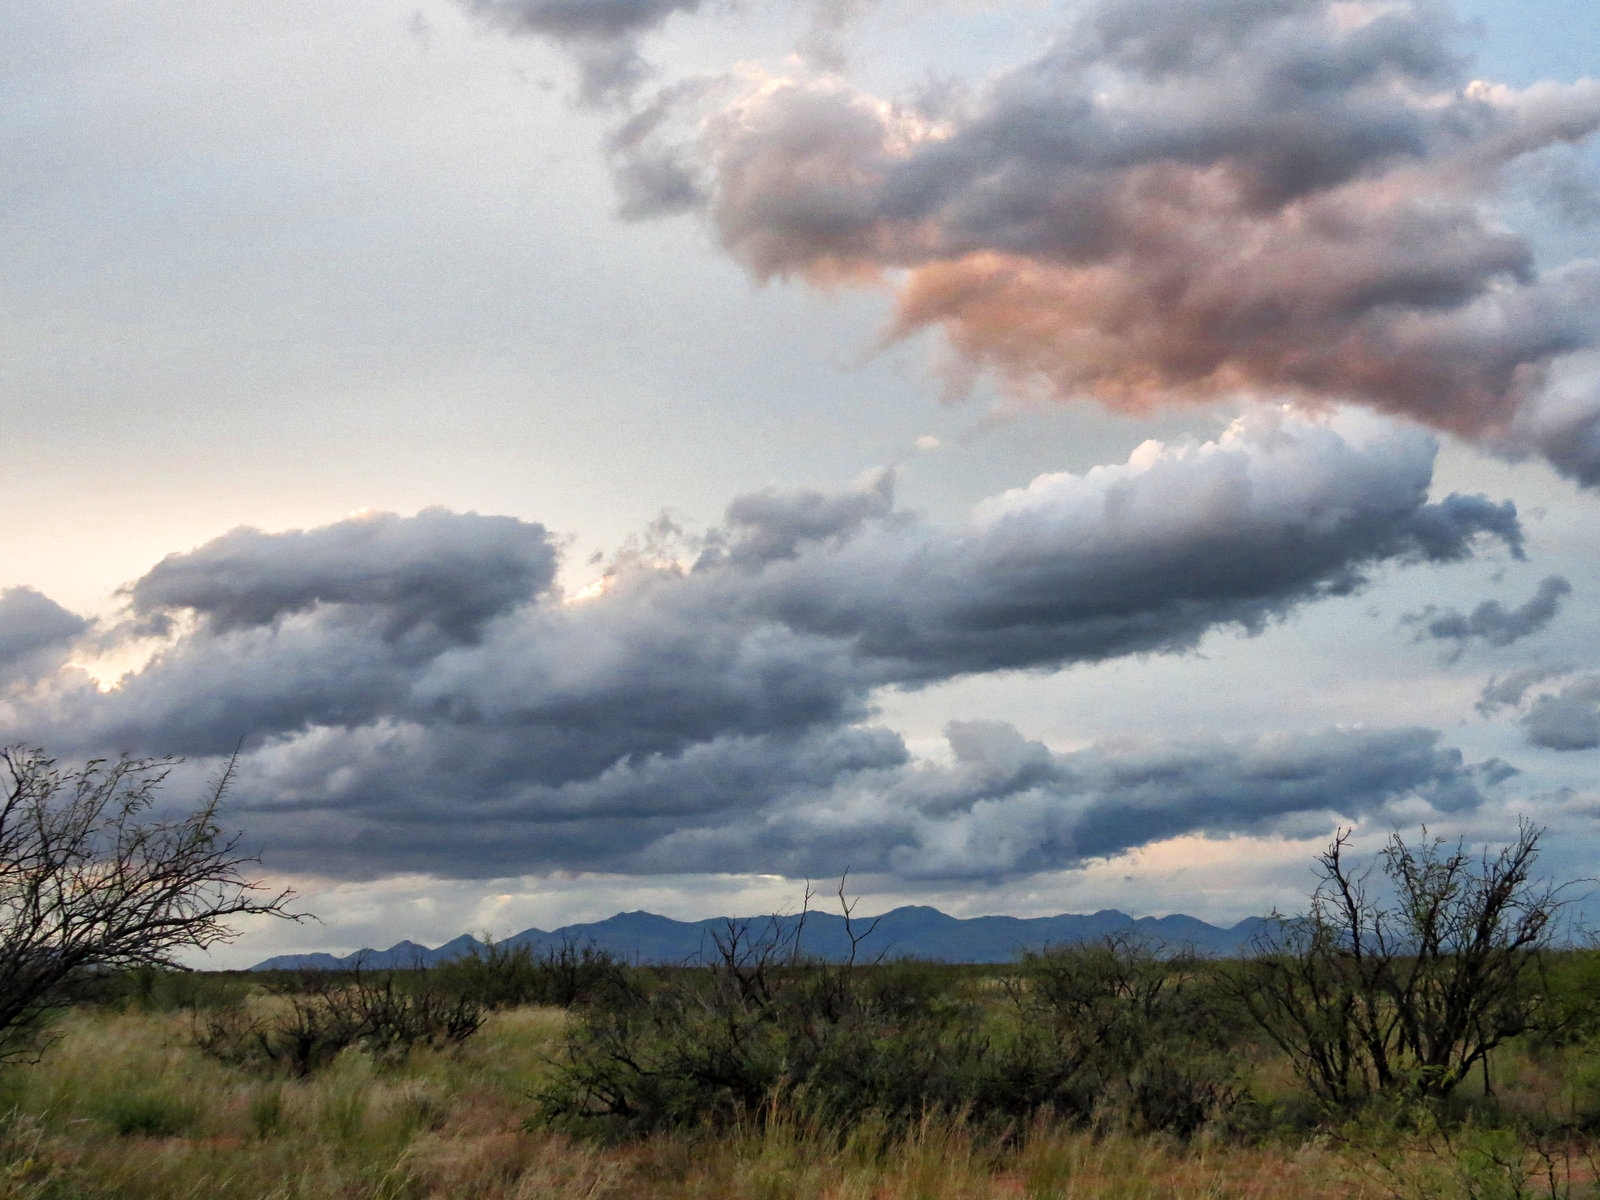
{"type": "Point", "coordinates": [1150, 1035]}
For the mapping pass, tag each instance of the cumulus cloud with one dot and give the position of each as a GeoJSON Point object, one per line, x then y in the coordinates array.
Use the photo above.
{"type": "Point", "coordinates": [1007, 807]}
{"type": "Point", "coordinates": [1568, 719]}
{"type": "Point", "coordinates": [450, 571]}
{"type": "Point", "coordinates": [35, 633]}
{"type": "Point", "coordinates": [1507, 691]}
{"type": "Point", "coordinates": [774, 524]}
{"type": "Point", "coordinates": [1176, 202]}
{"type": "Point", "coordinates": [1143, 557]}
{"type": "Point", "coordinates": [1564, 427]}
{"type": "Point", "coordinates": [1491, 621]}
{"type": "Point", "coordinates": [418, 697]}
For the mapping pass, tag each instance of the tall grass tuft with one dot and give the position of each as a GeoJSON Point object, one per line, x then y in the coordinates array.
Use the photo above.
{"type": "Point", "coordinates": [266, 1110]}
{"type": "Point", "coordinates": [147, 1111]}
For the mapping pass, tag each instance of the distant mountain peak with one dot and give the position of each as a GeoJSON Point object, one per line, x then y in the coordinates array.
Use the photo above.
{"type": "Point", "coordinates": [910, 931]}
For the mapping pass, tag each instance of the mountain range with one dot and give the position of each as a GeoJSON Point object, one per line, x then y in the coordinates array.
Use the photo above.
{"type": "Point", "coordinates": [914, 931]}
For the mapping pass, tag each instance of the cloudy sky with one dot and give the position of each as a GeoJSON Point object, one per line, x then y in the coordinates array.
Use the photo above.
{"type": "Point", "coordinates": [1037, 455]}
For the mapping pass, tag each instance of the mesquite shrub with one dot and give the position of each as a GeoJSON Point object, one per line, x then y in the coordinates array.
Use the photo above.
{"type": "Point", "coordinates": [1403, 984]}
{"type": "Point", "coordinates": [1152, 1033]}
{"type": "Point", "coordinates": [498, 976]}
{"type": "Point", "coordinates": [1107, 1034]}
{"type": "Point", "coordinates": [91, 883]}
{"type": "Point", "coordinates": [327, 1013]}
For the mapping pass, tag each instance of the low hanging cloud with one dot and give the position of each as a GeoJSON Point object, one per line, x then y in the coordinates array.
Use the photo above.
{"type": "Point", "coordinates": [417, 695]}
{"type": "Point", "coordinates": [1180, 202]}
{"type": "Point", "coordinates": [1491, 622]}
{"type": "Point", "coordinates": [1007, 807]}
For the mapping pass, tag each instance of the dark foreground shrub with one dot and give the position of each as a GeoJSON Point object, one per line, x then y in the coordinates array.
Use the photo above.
{"type": "Point", "coordinates": [326, 1014]}
{"type": "Point", "coordinates": [761, 1030]}
{"type": "Point", "coordinates": [722, 1043]}
{"type": "Point", "coordinates": [1153, 1034]}
{"type": "Point", "coordinates": [1404, 984]}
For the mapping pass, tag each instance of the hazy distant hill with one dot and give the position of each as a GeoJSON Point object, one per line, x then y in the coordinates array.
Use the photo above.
{"type": "Point", "coordinates": [912, 932]}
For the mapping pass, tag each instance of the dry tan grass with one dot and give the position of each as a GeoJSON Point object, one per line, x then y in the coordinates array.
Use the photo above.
{"type": "Point", "coordinates": [123, 1106]}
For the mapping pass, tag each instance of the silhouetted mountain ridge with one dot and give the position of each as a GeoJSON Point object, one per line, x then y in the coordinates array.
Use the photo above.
{"type": "Point", "coordinates": [913, 931]}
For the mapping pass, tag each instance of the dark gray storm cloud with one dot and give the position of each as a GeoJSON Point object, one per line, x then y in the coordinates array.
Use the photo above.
{"type": "Point", "coordinates": [1568, 719]}
{"type": "Point", "coordinates": [1143, 558]}
{"type": "Point", "coordinates": [1507, 691]}
{"type": "Point", "coordinates": [34, 632]}
{"type": "Point", "coordinates": [1177, 201]}
{"type": "Point", "coordinates": [600, 33]}
{"type": "Point", "coordinates": [1009, 806]}
{"type": "Point", "coordinates": [774, 524]}
{"type": "Point", "coordinates": [415, 695]}
{"type": "Point", "coordinates": [814, 804]}
{"type": "Point", "coordinates": [574, 20]}
{"type": "Point", "coordinates": [452, 572]}
{"type": "Point", "coordinates": [1491, 622]}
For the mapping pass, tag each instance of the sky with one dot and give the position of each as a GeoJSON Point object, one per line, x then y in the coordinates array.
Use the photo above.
{"type": "Point", "coordinates": [595, 455]}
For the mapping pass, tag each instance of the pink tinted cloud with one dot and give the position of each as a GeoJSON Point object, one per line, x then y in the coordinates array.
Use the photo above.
{"type": "Point", "coordinates": [1153, 213]}
{"type": "Point", "coordinates": [1179, 201]}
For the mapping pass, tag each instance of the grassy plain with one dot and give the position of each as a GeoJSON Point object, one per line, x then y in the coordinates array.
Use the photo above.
{"type": "Point", "coordinates": [122, 1104]}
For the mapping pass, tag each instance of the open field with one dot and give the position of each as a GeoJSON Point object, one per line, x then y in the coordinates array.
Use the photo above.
{"type": "Point", "coordinates": [122, 1103]}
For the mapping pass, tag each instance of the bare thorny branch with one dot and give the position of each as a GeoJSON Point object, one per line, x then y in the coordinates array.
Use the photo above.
{"type": "Point", "coordinates": [90, 882]}
{"type": "Point", "coordinates": [1412, 991]}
